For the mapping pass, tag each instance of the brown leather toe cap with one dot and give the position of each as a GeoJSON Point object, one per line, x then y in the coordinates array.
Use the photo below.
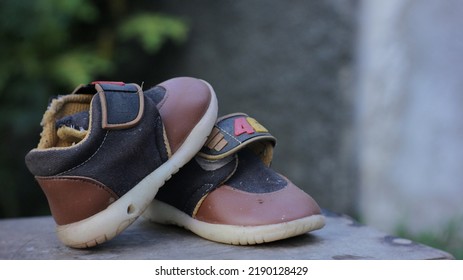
{"type": "Point", "coordinates": [185, 103]}
{"type": "Point", "coordinates": [230, 206]}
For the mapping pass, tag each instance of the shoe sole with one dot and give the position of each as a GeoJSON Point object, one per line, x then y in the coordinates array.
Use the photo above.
{"type": "Point", "coordinates": [110, 222]}
{"type": "Point", "coordinates": [163, 213]}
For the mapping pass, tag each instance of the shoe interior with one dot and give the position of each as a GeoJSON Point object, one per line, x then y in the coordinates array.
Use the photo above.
{"type": "Point", "coordinates": [59, 127]}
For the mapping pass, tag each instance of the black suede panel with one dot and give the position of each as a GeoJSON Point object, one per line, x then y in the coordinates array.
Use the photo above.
{"type": "Point", "coordinates": [125, 157]}
{"type": "Point", "coordinates": [156, 94]}
{"type": "Point", "coordinates": [253, 176]}
{"type": "Point", "coordinates": [51, 162]}
{"type": "Point", "coordinates": [191, 183]}
{"type": "Point", "coordinates": [118, 158]}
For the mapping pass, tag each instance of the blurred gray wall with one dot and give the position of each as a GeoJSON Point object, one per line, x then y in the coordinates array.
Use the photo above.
{"type": "Point", "coordinates": [289, 65]}
{"type": "Point", "coordinates": [410, 114]}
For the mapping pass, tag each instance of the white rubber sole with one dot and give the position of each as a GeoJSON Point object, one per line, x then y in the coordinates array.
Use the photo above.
{"type": "Point", "coordinates": [163, 213]}
{"type": "Point", "coordinates": [108, 223]}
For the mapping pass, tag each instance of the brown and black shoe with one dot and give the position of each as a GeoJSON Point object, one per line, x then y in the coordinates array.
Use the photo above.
{"type": "Point", "coordinates": [107, 148]}
{"type": "Point", "coordinates": [228, 193]}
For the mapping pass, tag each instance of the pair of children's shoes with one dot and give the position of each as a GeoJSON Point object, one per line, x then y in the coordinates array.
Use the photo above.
{"type": "Point", "coordinates": [106, 150]}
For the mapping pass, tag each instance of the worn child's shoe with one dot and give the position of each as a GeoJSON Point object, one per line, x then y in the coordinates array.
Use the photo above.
{"type": "Point", "coordinates": [106, 149]}
{"type": "Point", "coordinates": [229, 194]}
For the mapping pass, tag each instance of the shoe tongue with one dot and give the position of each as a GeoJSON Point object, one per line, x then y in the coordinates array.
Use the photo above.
{"type": "Point", "coordinates": [73, 128]}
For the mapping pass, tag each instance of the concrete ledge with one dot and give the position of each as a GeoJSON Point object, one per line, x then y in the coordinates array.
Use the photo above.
{"type": "Point", "coordinates": [341, 238]}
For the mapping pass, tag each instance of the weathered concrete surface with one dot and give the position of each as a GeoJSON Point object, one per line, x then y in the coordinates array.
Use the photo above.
{"type": "Point", "coordinates": [341, 238]}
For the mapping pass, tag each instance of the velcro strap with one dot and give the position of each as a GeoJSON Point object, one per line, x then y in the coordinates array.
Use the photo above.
{"type": "Point", "coordinates": [122, 105]}
{"type": "Point", "coordinates": [233, 132]}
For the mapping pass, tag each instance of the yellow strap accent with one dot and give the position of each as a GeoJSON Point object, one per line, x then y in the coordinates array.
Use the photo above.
{"type": "Point", "coordinates": [256, 125]}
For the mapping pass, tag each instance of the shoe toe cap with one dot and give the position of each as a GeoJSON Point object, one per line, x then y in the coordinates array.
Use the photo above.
{"type": "Point", "coordinates": [230, 206]}
{"type": "Point", "coordinates": [185, 103]}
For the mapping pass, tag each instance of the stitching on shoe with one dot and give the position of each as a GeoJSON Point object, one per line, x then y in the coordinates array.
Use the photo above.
{"type": "Point", "coordinates": [230, 135]}
{"type": "Point", "coordinates": [83, 163]}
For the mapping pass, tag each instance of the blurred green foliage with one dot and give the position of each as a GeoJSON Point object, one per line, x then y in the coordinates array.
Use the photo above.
{"type": "Point", "coordinates": [447, 239]}
{"type": "Point", "coordinates": [48, 47]}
